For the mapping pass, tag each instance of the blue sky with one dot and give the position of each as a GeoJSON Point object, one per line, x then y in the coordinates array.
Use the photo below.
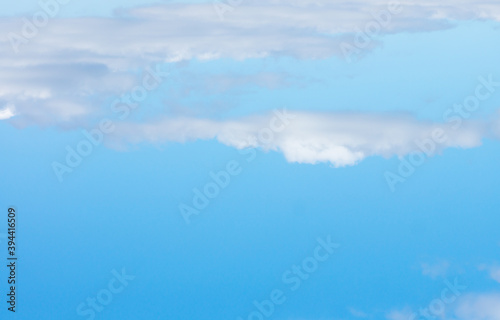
{"type": "Point", "coordinates": [173, 163]}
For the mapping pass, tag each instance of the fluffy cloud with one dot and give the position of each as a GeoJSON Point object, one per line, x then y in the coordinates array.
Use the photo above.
{"type": "Point", "coordinates": [59, 94]}
{"type": "Point", "coordinates": [54, 75]}
{"type": "Point", "coordinates": [339, 139]}
{"type": "Point", "coordinates": [7, 112]}
{"type": "Point", "coordinates": [172, 32]}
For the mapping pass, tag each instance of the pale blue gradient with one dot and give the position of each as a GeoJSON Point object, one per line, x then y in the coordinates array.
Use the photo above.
{"type": "Point", "coordinates": [119, 209]}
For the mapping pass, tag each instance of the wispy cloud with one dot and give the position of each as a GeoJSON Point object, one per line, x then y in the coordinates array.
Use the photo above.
{"type": "Point", "coordinates": [341, 139]}
{"type": "Point", "coordinates": [56, 76]}
{"type": "Point", "coordinates": [357, 313]}
{"type": "Point", "coordinates": [404, 314]}
{"type": "Point", "coordinates": [493, 271]}
{"type": "Point", "coordinates": [484, 306]}
{"type": "Point", "coordinates": [435, 270]}
{"type": "Point", "coordinates": [173, 32]}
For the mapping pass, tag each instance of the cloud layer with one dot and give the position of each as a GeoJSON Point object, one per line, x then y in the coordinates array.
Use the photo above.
{"type": "Point", "coordinates": [338, 139]}
{"type": "Point", "coordinates": [56, 72]}
{"type": "Point", "coordinates": [252, 29]}
{"type": "Point", "coordinates": [60, 73]}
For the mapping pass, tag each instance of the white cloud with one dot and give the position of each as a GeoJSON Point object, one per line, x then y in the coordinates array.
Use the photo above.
{"type": "Point", "coordinates": [72, 60]}
{"type": "Point", "coordinates": [495, 274]}
{"type": "Point", "coordinates": [404, 314]}
{"type": "Point", "coordinates": [357, 313]}
{"type": "Point", "coordinates": [493, 270]}
{"type": "Point", "coordinates": [172, 32]}
{"type": "Point", "coordinates": [340, 139]}
{"type": "Point", "coordinates": [59, 93]}
{"type": "Point", "coordinates": [473, 306]}
{"type": "Point", "coordinates": [484, 306]}
{"type": "Point", "coordinates": [7, 112]}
